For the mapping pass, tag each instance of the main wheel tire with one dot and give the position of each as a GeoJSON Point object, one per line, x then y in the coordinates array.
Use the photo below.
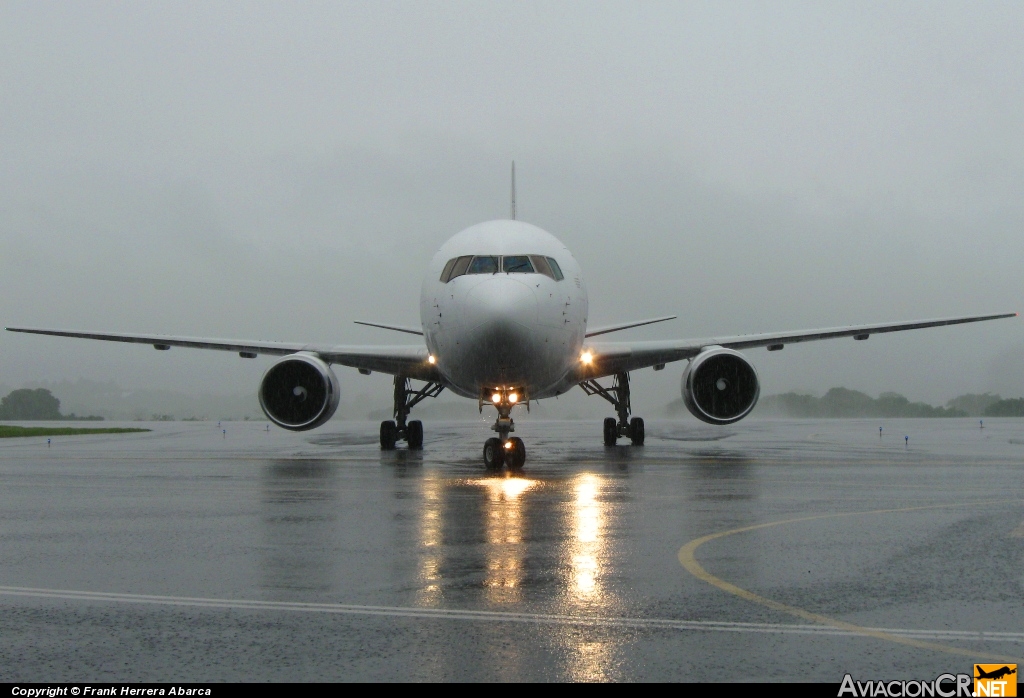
{"type": "Point", "coordinates": [388, 435]}
{"type": "Point", "coordinates": [414, 435]}
{"type": "Point", "coordinates": [611, 431]}
{"type": "Point", "coordinates": [516, 456]}
{"type": "Point", "coordinates": [636, 431]}
{"type": "Point", "coordinates": [494, 454]}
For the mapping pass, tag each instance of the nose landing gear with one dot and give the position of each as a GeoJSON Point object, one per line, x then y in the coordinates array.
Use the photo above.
{"type": "Point", "coordinates": [504, 450]}
{"type": "Point", "coordinates": [618, 395]}
{"type": "Point", "coordinates": [391, 431]}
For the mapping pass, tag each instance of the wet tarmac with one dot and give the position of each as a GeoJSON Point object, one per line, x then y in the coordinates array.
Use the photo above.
{"type": "Point", "coordinates": [769, 550]}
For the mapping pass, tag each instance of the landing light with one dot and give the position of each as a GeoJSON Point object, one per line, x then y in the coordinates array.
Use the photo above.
{"type": "Point", "coordinates": [508, 444]}
{"type": "Point", "coordinates": [496, 398]}
{"type": "Point", "coordinates": [431, 359]}
{"type": "Point", "coordinates": [512, 397]}
{"type": "Point", "coordinates": [586, 357]}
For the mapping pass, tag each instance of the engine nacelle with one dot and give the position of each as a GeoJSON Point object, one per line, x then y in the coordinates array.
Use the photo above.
{"type": "Point", "coordinates": [720, 386]}
{"type": "Point", "coordinates": [299, 392]}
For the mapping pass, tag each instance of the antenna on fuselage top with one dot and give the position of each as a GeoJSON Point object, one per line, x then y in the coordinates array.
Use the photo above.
{"type": "Point", "coordinates": [512, 211]}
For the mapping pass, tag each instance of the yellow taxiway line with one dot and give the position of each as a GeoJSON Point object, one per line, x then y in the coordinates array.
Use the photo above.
{"type": "Point", "coordinates": [687, 558]}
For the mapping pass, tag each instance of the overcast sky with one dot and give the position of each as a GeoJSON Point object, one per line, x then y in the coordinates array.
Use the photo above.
{"type": "Point", "coordinates": [275, 171]}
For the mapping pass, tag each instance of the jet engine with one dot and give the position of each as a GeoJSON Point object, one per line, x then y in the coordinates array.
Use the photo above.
{"type": "Point", "coordinates": [720, 386]}
{"type": "Point", "coordinates": [299, 392]}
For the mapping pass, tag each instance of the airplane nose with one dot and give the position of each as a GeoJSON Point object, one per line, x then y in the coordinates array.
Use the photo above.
{"type": "Point", "coordinates": [500, 302]}
{"type": "Point", "coordinates": [500, 316]}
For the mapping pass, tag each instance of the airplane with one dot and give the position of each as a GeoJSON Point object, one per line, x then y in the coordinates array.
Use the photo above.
{"type": "Point", "coordinates": [503, 321]}
{"type": "Point", "coordinates": [995, 674]}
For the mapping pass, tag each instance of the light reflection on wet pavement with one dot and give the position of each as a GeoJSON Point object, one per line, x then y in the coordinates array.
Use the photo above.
{"type": "Point", "coordinates": [568, 570]}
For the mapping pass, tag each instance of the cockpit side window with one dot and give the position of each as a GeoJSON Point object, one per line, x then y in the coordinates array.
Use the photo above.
{"type": "Point", "coordinates": [541, 265]}
{"type": "Point", "coordinates": [555, 269]}
{"type": "Point", "coordinates": [447, 273]}
{"type": "Point", "coordinates": [516, 264]}
{"type": "Point", "coordinates": [455, 267]}
{"type": "Point", "coordinates": [483, 265]}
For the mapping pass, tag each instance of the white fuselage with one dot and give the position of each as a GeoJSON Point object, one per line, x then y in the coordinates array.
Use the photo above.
{"type": "Point", "coordinates": [511, 329]}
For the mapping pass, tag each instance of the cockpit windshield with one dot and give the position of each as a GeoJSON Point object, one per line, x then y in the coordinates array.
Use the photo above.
{"type": "Point", "coordinates": [510, 264]}
{"type": "Point", "coordinates": [483, 265]}
{"type": "Point", "coordinates": [519, 264]}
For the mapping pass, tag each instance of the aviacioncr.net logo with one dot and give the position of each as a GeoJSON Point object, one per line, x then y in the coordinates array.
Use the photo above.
{"type": "Point", "coordinates": [943, 686]}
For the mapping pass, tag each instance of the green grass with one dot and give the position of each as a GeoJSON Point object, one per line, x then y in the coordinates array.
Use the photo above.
{"type": "Point", "coordinates": [8, 432]}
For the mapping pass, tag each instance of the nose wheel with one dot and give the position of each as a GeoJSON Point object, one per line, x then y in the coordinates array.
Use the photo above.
{"type": "Point", "coordinates": [515, 457]}
{"type": "Point", "coordinates": [494, 454]}
{"type": "Point", "coordinates": [498, 453]}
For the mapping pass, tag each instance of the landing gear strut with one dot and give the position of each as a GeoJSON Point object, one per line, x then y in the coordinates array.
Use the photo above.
{"type": "Point", "coordinates": [618, 395]}
{"type": "Point", "coordinates": [391, 431]}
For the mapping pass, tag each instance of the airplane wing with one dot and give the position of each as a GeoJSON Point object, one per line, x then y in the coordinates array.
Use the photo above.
{"type": "Point", "coordinates": [395, 328]}
{"type": "Point", "coordinates": [627, 325]}
{"type": "Point", "coordinates": [405, 360]}
{"type": "Point", "coordinates": [616, 357]}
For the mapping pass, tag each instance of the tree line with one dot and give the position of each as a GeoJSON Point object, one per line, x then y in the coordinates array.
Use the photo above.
{"type": "Point", "coordinates": [38, 403]}
{"type": "Point", "coordinates": [843, 402]}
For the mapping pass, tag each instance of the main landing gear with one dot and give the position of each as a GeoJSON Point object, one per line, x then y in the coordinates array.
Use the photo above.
{"type": "Point", "coordinates": [391, 431]}
{"type": "Point", "coordinates": [503, 450]}
{"type": "Point", "coordinates": [618, 395]}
